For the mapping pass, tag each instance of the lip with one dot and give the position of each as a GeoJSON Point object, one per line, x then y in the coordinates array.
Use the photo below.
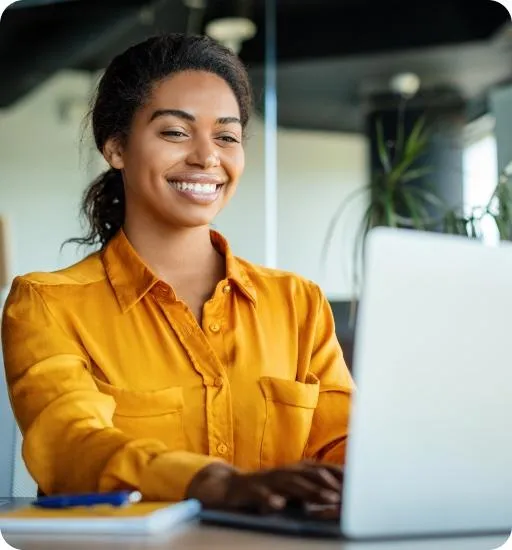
{"type": "Point", "coordinates": [196, 177]}
{"type": "Point", "coordinates": [199, 198]}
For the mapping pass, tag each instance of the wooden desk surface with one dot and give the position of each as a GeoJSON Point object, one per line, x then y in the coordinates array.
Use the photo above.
{"type": "Point", "coordinates": [198, 537]}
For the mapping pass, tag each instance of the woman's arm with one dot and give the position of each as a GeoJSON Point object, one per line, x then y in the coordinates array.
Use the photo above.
{"type": "Point", "coordinates": [69, 441]}
{"type": "Point", "coordinates": [329, 430]}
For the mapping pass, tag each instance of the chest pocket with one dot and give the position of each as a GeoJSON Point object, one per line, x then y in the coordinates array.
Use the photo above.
{"type": "Point", "coordinates": [289, 413]}
{"type": "Point", "coordinates": [149, 414]}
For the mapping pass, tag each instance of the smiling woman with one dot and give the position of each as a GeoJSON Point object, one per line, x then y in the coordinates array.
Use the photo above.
{"type": "Point", "coordinates": [162, 362]}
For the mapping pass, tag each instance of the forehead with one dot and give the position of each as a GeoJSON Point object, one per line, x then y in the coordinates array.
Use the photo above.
{"type": "Point", "coordinates": [197, 92]}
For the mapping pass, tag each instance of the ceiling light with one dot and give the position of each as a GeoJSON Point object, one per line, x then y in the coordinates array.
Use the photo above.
{"type": "Point", "coordinates": [405, 84]}
{"type": "Point", "coordinates": [231, 31]}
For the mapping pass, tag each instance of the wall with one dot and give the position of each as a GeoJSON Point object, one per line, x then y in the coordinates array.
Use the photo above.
{"type": "Point", "coordinates": [42, 174]}
{"type": "Point", "coordinates": [43, 171]}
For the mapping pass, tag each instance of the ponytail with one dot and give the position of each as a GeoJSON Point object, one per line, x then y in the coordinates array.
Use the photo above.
{"type": "Point", "coordinates": [102, 207]}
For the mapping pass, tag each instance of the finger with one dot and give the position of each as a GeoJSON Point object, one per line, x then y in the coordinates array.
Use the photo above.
{"type": "Point", "coordinates": [323, 477]}
{"type": "Point", "coordinates": [296, 485]}
{"type": "Point", "coordinates": [336, 470]}
{"type": "Point", "coordinates": [251, 491]}
{"type": "Point", "coordinates": [266, 500]}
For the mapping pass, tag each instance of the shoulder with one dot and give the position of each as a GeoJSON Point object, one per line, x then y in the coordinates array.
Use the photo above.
{"type": "Point", "coordinates": [85, 272]}
{"type": "Point", "coordinates": [33, 295]}
{"type": "Point", "coordinates": [281, 281]}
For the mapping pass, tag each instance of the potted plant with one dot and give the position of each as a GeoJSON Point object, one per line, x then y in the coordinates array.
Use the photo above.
{"type": "Point", "coordinates": [396, 200]}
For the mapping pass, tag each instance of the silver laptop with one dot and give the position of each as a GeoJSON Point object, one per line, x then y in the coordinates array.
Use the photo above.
{"type": "Point", "coordinates": [430, 450]}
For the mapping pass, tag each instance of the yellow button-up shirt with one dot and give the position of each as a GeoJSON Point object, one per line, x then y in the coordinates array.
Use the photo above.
{"type": "Point", "coordinates": [115, 385]}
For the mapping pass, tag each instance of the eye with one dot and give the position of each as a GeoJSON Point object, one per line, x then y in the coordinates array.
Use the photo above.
{"type": "Point", "coordinates": [229, 139]}
{"type": "Point", "coordinates": [174, 133]}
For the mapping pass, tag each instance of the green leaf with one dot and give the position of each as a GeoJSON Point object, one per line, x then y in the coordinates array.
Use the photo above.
{"type": "Point", "coordinates": [402, 169]}
{"type": "Point", "coordinates": [333, 223]}
{"type": "Point", "coordinates": [414, 209]}
{"type": "Point", "coordinates": [500, 208]}
{"type": "Point", "coordinates": [502, 228]}
{"type": "Point", "coordinates": [418, 138]}
{"type": "Point", "coordinates": [473, 232]}
{"type": "Point", "coordinates": [415, 174]}
{"type": "Point", "coordinates": [381, 148]}
{"type": "Point", "coordinates": [454, 224]}
{"type": "Point", "coordinates": [389, 209]}
{"type": "Point", "coordinates": [359, 243]}
{"type": "Point", "coordinates": [428, 197]}
{"type": "Point", "coordinates": [462, 226]}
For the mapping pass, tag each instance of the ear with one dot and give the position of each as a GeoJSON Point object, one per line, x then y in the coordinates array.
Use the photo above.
{"type": "Point", "coordinates": [113, 153]}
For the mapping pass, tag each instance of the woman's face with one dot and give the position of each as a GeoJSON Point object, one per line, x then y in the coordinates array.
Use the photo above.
{"type": "Point", "coordinates": [184, 156]}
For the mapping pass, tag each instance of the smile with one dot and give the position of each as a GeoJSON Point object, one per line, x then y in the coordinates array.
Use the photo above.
{"type": "Point", "coordinates": [196, 188]}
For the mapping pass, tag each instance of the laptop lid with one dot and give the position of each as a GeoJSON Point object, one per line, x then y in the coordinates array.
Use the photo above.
{"type": "Point", "coordinates": [430, 450]}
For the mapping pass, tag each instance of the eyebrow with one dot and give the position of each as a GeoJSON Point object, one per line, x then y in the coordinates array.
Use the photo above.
{"type": "Point", "coordinates": [191, 118]}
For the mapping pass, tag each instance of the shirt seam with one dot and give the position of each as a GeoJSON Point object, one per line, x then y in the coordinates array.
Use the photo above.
{"type": "Point", "coordinates": [253, 269]}
{"type": "Point", "coordinates": [53, 316]}
{"type": "Point", "coordinates": [39, 284]}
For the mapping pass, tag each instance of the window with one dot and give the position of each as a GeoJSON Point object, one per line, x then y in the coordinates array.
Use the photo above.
{"type": "Point", "coordinates": [480, 164]}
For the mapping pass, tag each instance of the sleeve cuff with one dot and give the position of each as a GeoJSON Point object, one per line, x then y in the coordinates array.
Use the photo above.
{"type": "Point", "coordinates": [168, 475]}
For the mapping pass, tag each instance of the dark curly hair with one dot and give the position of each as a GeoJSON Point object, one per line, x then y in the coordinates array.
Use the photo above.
{"type": "Point", "coordinates": [124, 87]}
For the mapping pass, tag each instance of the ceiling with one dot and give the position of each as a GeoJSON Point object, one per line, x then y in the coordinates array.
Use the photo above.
{"type": "Point", "coordinates": [332, 54]}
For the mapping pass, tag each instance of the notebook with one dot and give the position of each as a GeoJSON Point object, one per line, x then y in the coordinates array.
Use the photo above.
{"type": "Point", "coordinates": [137, 519]}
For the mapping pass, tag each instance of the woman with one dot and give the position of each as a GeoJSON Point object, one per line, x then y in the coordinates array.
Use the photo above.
{"type": "Point", "coordinates": [162, 362]}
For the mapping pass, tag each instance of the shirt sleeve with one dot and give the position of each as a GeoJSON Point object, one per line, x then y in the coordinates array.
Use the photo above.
{"type": "Point", "coordinates": [329, 429]}
{"type": "Point", "coordinates": [70, 444]}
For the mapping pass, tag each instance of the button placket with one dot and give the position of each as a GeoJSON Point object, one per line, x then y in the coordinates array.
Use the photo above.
{"type": "Point", "coordinates": [219, 418]}
{"type": "Point", "coordinates": [219, 406]}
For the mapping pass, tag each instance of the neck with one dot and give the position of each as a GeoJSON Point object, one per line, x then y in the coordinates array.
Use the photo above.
{"type": "Point", "coordinates": [173, 252]}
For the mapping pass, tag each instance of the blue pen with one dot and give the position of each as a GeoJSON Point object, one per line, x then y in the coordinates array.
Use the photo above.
{"type": "Point", "coordinates": [120, 498]}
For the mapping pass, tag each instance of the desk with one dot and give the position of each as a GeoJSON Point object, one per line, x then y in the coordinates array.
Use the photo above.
{"type": "Point", "coordinates": [194, 536]}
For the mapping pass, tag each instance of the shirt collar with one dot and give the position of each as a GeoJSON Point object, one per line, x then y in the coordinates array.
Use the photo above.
{"type": "Point", "coordinates": [235, 271]}
{"type": "Point", "coordinates": [131, 278]}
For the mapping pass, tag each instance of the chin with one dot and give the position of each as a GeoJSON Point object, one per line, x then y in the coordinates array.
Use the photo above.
{"type": "Point", "coordinates": [192, 221]}
{"type": "Point", "coordinates": [190, 215]}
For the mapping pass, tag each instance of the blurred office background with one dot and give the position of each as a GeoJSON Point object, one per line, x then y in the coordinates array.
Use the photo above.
{"type": "Point", "coordinates": [323, 72]}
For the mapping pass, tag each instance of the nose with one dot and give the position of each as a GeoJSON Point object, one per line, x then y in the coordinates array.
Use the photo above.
{"type": "Point", "coordinates": [203, 154]}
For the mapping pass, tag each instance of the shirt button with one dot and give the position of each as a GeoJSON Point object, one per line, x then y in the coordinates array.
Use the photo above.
{"type": "Point", "coordinates": [226, 289]}
{"type": "Point", "coordinates": [215, 327]}
{"type": "Point", "coordinates": [219, 382]}
{"type": "Point", "coordinates": [222, 449]}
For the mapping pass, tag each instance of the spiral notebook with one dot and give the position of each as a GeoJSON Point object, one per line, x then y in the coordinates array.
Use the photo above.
{"type": "Point", "coordinates": [137, 519]}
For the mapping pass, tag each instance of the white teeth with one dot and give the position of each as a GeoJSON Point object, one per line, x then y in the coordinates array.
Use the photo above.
{"type": "Point", "coordinates": [199, 188]}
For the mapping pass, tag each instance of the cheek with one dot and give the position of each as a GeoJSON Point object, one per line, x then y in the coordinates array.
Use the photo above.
{"type": "Point", "coordinates": [149, 152]}
{"type": "Point", "coordinates": [237, 164]}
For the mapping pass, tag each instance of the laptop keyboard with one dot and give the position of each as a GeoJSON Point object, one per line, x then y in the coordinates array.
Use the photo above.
{"type": "Point", "coordinates": [309, 511]}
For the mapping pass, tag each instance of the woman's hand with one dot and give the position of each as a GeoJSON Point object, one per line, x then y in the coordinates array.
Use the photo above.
{"type": "Point", "coordinates": [222, 486]}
